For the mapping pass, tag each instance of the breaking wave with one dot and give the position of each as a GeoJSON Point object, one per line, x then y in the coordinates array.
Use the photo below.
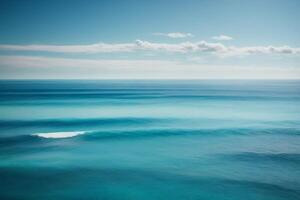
{"type": "Point", "coordinates": [60, 134]}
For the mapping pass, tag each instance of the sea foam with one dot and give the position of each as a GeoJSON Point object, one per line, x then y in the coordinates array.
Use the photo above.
{"type": "Point", "coordinates": [59, 134]}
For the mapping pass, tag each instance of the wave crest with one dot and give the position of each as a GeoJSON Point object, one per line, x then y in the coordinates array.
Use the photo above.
{"type": "Point", "coordinates": [60, 134]}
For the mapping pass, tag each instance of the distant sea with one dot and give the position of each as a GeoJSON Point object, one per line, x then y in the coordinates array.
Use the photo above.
{"type": "Point", "coordinates": [142, 140]}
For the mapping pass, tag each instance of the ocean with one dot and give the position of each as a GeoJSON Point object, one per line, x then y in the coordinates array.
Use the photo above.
{"type": "Point", "coordinates": [142, 140]}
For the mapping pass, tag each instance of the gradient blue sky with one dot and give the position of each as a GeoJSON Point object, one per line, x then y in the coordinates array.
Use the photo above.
{"type": "Point", "coordinates": [150, 39]}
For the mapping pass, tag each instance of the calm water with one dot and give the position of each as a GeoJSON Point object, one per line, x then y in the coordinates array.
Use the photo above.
{"type": "Point", "coordinates": [208, 140]}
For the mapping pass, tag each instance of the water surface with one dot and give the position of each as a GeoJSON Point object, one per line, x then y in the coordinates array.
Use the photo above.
{"type": "Point", "coordinates": [112, 139]}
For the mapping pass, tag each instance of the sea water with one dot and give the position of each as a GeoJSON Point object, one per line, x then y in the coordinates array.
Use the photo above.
{"type": "Point", "coordinates": [208, 140]}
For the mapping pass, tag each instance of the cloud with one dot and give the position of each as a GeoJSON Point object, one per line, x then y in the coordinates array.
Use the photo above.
{"type": "Point", "coordinates": [15, 67]}
{"type": "Point", "coordinates": [140, 45]}
{"type": "Point", "coordinates": [183, 47]}
{"type": "Point", "coordinates": [90, 48]}
{"type": "Point", "coordinates": [41, 61]}
{"type": "Point", "coordinates": [283, 50]}
{"type": "Point", "coordinates": [175, 35]}
{"type": "Point", "coordinates": [222, 37]}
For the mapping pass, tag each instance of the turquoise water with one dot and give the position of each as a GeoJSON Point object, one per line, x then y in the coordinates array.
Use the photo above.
{"type": "Point", "coordinates": [214, 140]}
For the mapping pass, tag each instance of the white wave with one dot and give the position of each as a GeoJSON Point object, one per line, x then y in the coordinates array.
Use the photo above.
{"type": "Point", "coordinates": [59, 134]}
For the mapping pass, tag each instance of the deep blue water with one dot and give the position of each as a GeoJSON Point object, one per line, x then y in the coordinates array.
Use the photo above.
{"type": "Point", "coordinates": [208, 140]}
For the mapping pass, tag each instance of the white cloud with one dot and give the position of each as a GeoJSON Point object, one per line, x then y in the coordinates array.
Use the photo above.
{"type": "Point", "coordinates": [15, 67]}
{"type": "Point", "coordinates": [140, 45]}
{"type": "Point", "coordinates": [90, 48]}
{"type": "Point", "coordinates": [175, 35]}
{"type": "Point", "coordinates": [40, 61]}
{"type": "Point", "coordinates": [222, 37]}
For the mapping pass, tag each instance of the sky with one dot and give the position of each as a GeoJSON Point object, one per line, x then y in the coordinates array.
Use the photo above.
{"type": "Point", "coordinates": [157, 39]}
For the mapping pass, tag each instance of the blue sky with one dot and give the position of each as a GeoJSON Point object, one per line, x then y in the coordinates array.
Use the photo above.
{"type": "Point", "coordinates": [150, 39]}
